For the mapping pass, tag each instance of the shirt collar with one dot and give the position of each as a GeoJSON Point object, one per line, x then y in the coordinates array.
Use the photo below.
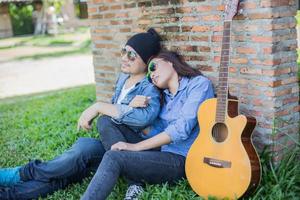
{"type": "Point", "coordinates": [141, 81]}
{"type": "Point", "coordinates": [182, 85]}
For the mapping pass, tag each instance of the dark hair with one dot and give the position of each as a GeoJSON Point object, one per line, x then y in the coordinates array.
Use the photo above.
{"type": "Point", "coordinates": [179, 65]}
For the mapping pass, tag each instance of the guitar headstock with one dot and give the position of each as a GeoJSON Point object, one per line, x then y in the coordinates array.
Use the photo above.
{"type": "Point", "coordinates": [230, 9]}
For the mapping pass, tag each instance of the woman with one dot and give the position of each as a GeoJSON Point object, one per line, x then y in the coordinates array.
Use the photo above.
{"type": "Point", "coordinates": [120, 122]}
{"type": "Point", "coordinates": [184, 89]}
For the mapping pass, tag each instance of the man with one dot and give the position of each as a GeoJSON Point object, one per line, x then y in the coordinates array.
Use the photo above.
{"type": "Point", "coordinates": [121, 121]}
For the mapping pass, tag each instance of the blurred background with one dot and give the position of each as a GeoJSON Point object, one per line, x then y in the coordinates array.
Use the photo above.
{"type": "Point", "coordinates": [44, 45]}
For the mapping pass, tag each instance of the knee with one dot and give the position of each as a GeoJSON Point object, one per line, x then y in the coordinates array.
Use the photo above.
{"type": "Point", "coordinates": [103, 122]}
{"type": "Point", "coordinates": [87, 147]}
{"type": "Point", "coordinates": [112, 156]}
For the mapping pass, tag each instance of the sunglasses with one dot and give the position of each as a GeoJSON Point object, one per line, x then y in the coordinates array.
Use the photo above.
{"type": "Point", "coordinates": [131, 55]}
{"type": "Point", "coordinates": [151, 68]}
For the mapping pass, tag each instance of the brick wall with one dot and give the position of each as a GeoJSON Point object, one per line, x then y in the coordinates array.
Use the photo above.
{"type": "Point", "coordinates": [263, 69]}
{"type": "Point", "coordinates": [5, 23]}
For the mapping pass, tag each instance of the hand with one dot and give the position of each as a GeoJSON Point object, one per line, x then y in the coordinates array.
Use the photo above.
{"type": "Point", "coordinates": [139, 101]}
{"type": "Point", "coordinates": [87, 116]}
{"type": "Point", "coordinates": [121, 146]}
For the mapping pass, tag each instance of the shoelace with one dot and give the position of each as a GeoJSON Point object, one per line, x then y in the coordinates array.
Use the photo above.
{"type": "Point", "coordinates": [133, 191]}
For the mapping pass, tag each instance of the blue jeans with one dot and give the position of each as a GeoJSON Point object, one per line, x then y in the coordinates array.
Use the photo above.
{"type": "Point", "coordinates": [152, 167]}
{"type": "Point", "coordinates": [43, 178]}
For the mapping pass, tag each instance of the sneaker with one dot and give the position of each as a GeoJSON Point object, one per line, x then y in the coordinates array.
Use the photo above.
{"type": "Point", "coordinates": [9, 176]}
{"type": "Point", "coordinates": [133, 192]}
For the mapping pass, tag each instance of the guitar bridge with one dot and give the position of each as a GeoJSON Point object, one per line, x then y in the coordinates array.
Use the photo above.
{"type": "Point", "coordinates": [217, 163]}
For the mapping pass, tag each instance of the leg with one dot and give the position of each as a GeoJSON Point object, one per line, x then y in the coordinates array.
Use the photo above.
{"type": "Point", "coordinates": [85, 153]}
{"type": "Point", "coordinates": [35, 189]}
{"type": "Point", "coordinates": [112, 133]}
{"type": "Point", "coordinates": [153, 167]}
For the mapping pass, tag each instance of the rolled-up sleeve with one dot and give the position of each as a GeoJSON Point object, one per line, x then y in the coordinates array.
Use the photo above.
{"type": "Point", "coordinates": [181, 128]}
{"type": "Point", "coordinates": [141, 116]}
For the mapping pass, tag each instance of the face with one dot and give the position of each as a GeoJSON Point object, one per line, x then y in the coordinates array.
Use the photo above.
{"type": "Point", "coordinates": [131, 62]}
{"type": "Point", "coordinates": [160, 72]}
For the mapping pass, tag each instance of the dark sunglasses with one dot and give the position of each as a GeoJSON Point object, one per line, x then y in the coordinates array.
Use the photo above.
{"type": "Point", "coordinates": [131, 55]}
{"type": "Point", "coordinates": [151, 68]}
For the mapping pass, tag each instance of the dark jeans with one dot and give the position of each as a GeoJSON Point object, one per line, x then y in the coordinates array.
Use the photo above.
{"type": "Point", "coordinates": [42, 178]}
{"type": "Point", "coordinates": [153, 167]}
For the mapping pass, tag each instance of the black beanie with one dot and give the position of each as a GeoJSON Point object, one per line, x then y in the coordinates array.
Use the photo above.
{"type": "Point", "coordinates": [145, 44]}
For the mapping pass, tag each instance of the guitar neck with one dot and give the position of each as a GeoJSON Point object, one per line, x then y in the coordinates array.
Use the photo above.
{"type": "Point", "coordinates": [222, 93]}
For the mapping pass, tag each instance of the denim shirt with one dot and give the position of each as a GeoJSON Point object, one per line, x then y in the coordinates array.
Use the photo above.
{"type": "Point", "coordinates": [178, 117]}
{"type": "Point", "coordinates": [136, 118]}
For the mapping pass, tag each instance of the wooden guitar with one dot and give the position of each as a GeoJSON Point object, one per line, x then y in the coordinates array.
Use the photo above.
{"type": "Point", "coordinates": [222, 161]}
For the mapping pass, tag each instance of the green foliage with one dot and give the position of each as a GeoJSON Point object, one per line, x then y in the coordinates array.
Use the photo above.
{"type": "Point", "coordinates": [281, 181]}
{"type": "Point", "coordinates": [21, 18]}
{"type": "Point", "coordinates": [44, 125]}
{"type": "Point", "coordinates": [298, 17]}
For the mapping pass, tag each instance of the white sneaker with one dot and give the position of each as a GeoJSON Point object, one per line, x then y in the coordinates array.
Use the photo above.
{"type": "Point", "coordinates": [133, 192]}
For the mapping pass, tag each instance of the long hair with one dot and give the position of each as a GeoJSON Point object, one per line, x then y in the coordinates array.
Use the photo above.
{"type": "Point", "coordinates": [179, 65]}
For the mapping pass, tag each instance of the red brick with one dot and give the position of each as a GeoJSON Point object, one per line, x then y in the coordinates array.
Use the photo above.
{"type": "Point", "coordinates": [221, 7]}
{"type": "Point", "coordinates": [105, 68]}
{"type": "Point", "coordinates": [211, 18]}
{"type": "Point", "coordinates": [216, 38]}
{"type": "Point", "coordinates": [92, 10]}
{"type": "Point", "coordinates": [239, 60]}
{"type": "Point", "coordinates": [245, 50]}
{"type": "Point", "coordinates": [106, 46]}
{"type": "Point", "coordinates": [205, 68]}
{"type": "Point", "coordinates": [95, 38]}
{"type": "Point", "coordinates": [232, 69]}
{"type": "Point", "coordinates": [189, 19]}
{"type": "Point", "coordinates": [103, 8]}
{"type": "Point", "coordinates": [296, 108]}
{"type": "Point", "coordinates": [97, 1]}
{"type": "Point", "coordinates": [258, 15]}
{"type": "Point", "coordinates": [268, 39]}
{"type": "Point", "coordinates": [200, 38]}
{"type": "Point", "coordinates": [184, 10]}
{"type": "Point", "coordinates": [247, 5]}
{"type": "Point", "coordinates": [290, 100]}
{"type": "Point", "coordinates": [246, 70]}
{"type": "Point", "coordinates": [217, 28]}
{"type": "Point", "coordinates": [116, 7]}
{"type": "Point", "coordinates": [200, 28]}
{"type": "Point", "coordinates": [268, 50]}
{"type": "Point", "coordinates": [125, 30]}
{"type": "Point", "coordinates": [121, 15]}
{"type": "Point", "coordinates": [144, 21]}
{"type": "Point", "coordinates": [275, 83]}
{"type": "Point", "coordinates": [204, 8]}
{"type": "Point", "coordinates": [274, 3]}
{"type": "Point", "coordinates": [109, 15]}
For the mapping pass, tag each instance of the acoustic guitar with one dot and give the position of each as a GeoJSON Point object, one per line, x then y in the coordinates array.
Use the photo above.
{"type": "Point", "coordinates": [222, 161]}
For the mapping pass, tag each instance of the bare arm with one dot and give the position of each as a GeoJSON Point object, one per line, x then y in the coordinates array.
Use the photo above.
{"type": "Point", "coordinates": [156, 141]}
{"type": "Point", "coordinates": [93, 111]}
{"type": "Point", "coordinates": [107, 109]}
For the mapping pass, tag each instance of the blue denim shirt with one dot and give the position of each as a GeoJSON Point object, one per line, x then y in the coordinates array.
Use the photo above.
{"type": "Point", "coordinates": [136, 118]}
{"type": "Point", "coordinates": [178, 117]}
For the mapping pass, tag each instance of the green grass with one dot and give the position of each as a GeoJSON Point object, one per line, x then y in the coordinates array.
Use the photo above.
{"type": "Point", "coordinates": [298, 17]}
{"type": "Point", "coordinates": [43, 126]}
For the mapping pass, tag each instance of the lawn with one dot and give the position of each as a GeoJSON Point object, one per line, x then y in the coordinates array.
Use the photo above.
{"type": "Point", "coordinates": [77, 42]}
{"type": "Point", "coordinates": [44, 125]}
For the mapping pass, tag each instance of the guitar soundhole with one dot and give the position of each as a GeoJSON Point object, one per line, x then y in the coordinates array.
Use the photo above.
{"type": "Point", "coordinates": [219, 132]}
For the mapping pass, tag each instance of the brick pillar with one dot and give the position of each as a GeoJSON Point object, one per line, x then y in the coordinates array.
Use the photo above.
{"type": "Point", "coordinates": [263, 69]}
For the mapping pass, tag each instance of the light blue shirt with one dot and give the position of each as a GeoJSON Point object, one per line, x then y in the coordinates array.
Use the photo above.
{"type": "Point", "coordinates": [178, 117]}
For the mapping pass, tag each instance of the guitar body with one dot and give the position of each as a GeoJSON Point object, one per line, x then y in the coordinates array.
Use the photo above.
{"type": "Point", "coordinates": [227, 165]}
